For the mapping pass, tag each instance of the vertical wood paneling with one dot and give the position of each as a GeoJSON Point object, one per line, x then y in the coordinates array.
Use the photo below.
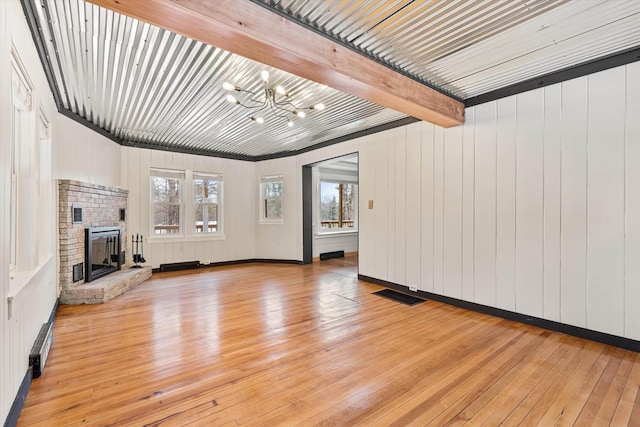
{"type": "Point", "coordinates": [468, 207]}
{"type": "Point", "coordinates": [367, 174]}
{"type": "Point", "coordinates": [7, 393]}
{"type": "Point", "coordinates": [438, 210]}
{"type": "Point", "coordinates": [506, 204]}
{"type": "Point", "coordinates": [485, 205]}
{"type": "Point", "coordinates": [426, 231]}
{"type": "Point", "coordinates": [412, 221]}
{"type": "Point", "coordinates": [400, 204]}
{"type": "Point", "coordinates": [452, 209]}
{"type": "Point", "coordinates": [605, 202]}
{"type": "Point", "coordinates": [391, 207]}
{"type": "Point", "coordinates": [529, 199]}
{"type": "Point", "coordinates": [380, 207]}
{"type": "Point", "coordinates": [552, 179]}
{"type": "Point", "coordinates": [632, 200]}
{"type": "Point", "coordinates": [573, 221]}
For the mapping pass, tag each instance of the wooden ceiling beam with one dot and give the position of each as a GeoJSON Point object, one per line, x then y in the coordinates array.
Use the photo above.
{"type": "Point", "coordinates": [252, 31]}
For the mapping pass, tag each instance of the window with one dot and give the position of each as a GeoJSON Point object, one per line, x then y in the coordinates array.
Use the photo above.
{"type": "Point", "coordinates": [271, 189]}
{"type": "Point", "coordinates": [207, 192]}
{"type": "Point", "coordinates": [185, 203]}
{"type": "Point", "coordinates": [338, 204]}
{"type": "Point", "coordinates": [21, 142]}
{"type": "Point", "coordinates": [166, 202]}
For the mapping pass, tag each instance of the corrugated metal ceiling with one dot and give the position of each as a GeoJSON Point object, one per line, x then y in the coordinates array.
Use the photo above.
{"type": "Point", "coordinates": [150, 87]}
{"type": "Point", "coordinates": [468, 48]}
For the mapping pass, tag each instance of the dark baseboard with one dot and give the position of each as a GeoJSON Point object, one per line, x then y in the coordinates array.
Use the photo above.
{"type": "Point", "coordinates": [242, 261]}
{"type": "Point", "coordinates": [18, 403]}
{"type": "Point", "coordinates": [52, 316]}
{"type": "Point", "coordinates": [601, 337]}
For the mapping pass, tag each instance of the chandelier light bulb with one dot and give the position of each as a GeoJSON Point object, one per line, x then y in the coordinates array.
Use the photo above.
{"type": "Point", "coordinates": [259, 120]}
{"type": "Point", "coordinates": [300, 114]}
{"type": "Point", "coordinates": [232, 99]}
{"type": "Point", "coordinates": [265, 75]}
{"type": "Point", "coordinates": [318, 107]}
{"type": "Point", "coordinates": [228, 86]}
{"type": "Point", "coordinates": [281, 90]}
{"type": "Point", "coordinates": [289, 123]}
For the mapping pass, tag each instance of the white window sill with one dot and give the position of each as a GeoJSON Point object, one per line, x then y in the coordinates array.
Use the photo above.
{"type": "Point", "coordinates": [22, 282]}
{"type": "Point", "coordinates": [271, 221]}
{"type": "Point", "coordinates": [180, 238]}
{"type": "Point", "coordinates": [329, 234]}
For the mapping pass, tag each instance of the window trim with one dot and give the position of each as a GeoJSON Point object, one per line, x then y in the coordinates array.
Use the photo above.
{"type": "Point", "coordinates": [351, 230]}
{"type": "Point", "coordinates": [262, 200]}
{"type": "Point", "coordinates": [166, 173]}
{"type": "Point", "coordinates": [220, 205]}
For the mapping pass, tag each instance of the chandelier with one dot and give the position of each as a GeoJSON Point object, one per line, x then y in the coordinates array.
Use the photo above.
{"type": "Point", "coordinates": [271, 98]}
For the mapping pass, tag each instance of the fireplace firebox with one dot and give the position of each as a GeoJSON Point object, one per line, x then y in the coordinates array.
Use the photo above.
{"type": "Point", "coordinates": [101, 251]}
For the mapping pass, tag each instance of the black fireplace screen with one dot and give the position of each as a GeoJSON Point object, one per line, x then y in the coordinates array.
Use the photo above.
{"type": "Point", "coordinates": [102, 251]}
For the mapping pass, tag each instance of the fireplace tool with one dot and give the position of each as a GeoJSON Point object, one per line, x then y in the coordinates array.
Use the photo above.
{"type": "Point", "coordinates": [138, 252]}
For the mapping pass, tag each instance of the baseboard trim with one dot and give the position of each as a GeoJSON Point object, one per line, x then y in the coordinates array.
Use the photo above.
{"type": "Point", "coordinates": [242, 261]}
{"type": "Point", "coordinates": [601, 337]}
{"type": "Point", "coordinates": [18, 402]}
{"type": "Point", "coordinates": [54, 311]}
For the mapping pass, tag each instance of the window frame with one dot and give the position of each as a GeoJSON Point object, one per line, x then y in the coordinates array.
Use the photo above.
{"type": "Point", "coordinates": [263, 201]}
{"type": "Point", "coordinates": [320, 230]}
{"type": "Point", "coordinates": [22, 116]}
{"type": "Point", "coordinates": [169, 174]}
{"type": "Point", "coordinates": [219, 205]}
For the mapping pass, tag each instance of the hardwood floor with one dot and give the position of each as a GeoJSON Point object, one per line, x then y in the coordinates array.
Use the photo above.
{"type": "Point", "coordinates": [273, 344]}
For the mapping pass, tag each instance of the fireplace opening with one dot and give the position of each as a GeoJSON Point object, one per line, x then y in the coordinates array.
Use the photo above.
{"type": "Point", "coordinates": [101, 251]}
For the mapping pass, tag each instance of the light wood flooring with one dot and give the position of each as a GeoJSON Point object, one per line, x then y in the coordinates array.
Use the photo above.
{"type": "Point", "coordinates": [287, 345]}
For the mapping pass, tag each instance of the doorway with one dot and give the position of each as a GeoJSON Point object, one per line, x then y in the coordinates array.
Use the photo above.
{"type": "Point", "coordinates": [330, 207]}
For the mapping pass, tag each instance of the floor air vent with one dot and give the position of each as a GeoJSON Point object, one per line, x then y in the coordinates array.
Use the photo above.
{"type": "Point", "coordinates": [329, 255]}
{"type": "Point", "coordinates": [40, 349]}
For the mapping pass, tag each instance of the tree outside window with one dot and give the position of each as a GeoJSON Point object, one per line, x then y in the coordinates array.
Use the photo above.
{"type": "Point", "coordinates": [337, 206]}
{"type": "Point", "coordinates": [207, 191]}
{"type": "Point", "coordinates": [166, 198]}
{"type": "Point", "coordinates": [271, 191]}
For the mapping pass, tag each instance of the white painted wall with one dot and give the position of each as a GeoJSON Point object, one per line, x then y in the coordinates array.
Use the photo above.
{"type": "Point", "coordinates": [84, 155]}
{"type": "Point", "coordinates": [532, 206]}
{"type": "Point", "coordinates": [29, 292]}
{"type": "Point", "coordinates": [239, 206]}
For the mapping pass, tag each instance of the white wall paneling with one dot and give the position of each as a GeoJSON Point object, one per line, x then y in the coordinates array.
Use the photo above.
{"type": "Point", "coordinates": [392, 212]}
{"type": "Point", "coordinates": [28, 293]}
{"type": "Point", "coordinates": [552, 200]}
{"type": "Point", "coordinates": [468, 206]}
{"type": "Point", "coordinates": [529, 198]}
{"type": "Point", "coordinates": [438, 209]}
{"type": "Point", "coordinates": [412, 212]}
{"type": "Point", "coordinates": [506, 204]}
{"type": "Point", "coordinates": [380, 207]}
{"type": "Point", "coordinates": [632, 203]}
{"type": "Point", "coordinates": [400, 205]}
{"type": "Point", "coordinates": [485, 204]}
{"type": "Point", "coordinates": [239, 208]}
{"type": "Point", "coordinates": [524, 208]}
{"type": "Point", "coordinates": [573, 217]}
{"type": "Point", "coordinates": [452, 213]}
{"type": "Point", "coordinates": [605, 201]}
{"type": "Point", "coordinates": [427, 214]}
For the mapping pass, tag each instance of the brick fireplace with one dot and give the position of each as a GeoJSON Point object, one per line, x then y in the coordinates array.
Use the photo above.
{"type": "Point", "coordinates": [83, 206]}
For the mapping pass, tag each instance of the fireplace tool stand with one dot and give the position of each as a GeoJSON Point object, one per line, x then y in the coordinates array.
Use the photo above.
{"type": "Point", "coordinates": [138, 252]}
